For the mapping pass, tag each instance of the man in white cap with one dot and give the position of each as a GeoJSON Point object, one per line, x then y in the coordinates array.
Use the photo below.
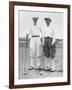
{"type": "Point", "coordinates": [35, 43]}
{"type": "Point", "coordinates": [49, 44]}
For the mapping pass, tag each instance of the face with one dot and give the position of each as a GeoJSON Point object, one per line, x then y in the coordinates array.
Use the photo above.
{"type": "Point", "coordinates": [35, 21]}
{"type": "Point", "coordinates": [47, 22]}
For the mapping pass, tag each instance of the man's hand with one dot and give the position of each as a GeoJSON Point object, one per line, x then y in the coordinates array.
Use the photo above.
{"type": "Point", "coordinates": [52, 42]}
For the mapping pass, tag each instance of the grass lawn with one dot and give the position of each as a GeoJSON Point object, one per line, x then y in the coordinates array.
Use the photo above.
{"type": "Point", "coordinates": [24, 63]}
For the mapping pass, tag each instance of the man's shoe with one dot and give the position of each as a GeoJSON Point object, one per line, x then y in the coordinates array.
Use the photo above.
{"type": "Point", "coordinates": [24, 73]}
{"type": "Point", "coordinates": [47, 68]}
{"type": "Point", "coordinates": [52, 70]}
{"type": "Point", "coordinates": [30, 68]}
{"type": "Point", "coordinates": [39, 68]}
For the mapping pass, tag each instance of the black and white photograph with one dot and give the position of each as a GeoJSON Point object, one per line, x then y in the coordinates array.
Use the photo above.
{"type": "Point", "coordinates": [40, 45]}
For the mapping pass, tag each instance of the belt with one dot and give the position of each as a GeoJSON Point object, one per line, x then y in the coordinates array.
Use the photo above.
{"type": "Point", "coordinates": [35, 36]}
{"type": "Point", "coordinates": [48, 37]}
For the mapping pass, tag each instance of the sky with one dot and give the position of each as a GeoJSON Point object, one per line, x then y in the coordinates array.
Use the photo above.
{"type": "Point", "coordinates": [25, 22]}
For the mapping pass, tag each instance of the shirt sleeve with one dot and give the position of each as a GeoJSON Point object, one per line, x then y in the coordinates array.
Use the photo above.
{"type": "Point", "coordinates": [53, 35]}
{"type": "Point", "coordinates": [30, 33]}
{"type": "Point", "coordinates": [42, 35]}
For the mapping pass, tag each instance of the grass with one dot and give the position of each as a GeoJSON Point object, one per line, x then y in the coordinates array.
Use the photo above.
{"type": "Point", "coordinates": [24, 63]}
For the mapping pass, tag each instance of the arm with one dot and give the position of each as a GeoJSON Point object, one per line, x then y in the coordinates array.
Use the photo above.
{"type": "Point", "coordinates": [53, 37]}
{"type": "Point", "coordinates": [29, 34]}
{"type": "Point", "coordinates": [42, 36]}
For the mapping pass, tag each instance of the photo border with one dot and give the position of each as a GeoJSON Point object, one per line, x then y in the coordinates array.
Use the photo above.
{"type": "Point", "coordinates": [11, 44]}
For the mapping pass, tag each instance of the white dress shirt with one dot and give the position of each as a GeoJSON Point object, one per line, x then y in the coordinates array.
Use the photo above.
{"type": "Point", "coordinates": [49, 32]}
{"type": "Point", "coordinates": [35, 30]}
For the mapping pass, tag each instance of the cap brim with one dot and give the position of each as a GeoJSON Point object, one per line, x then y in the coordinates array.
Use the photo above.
{"type": "Point", "coordinates": [47, 19]}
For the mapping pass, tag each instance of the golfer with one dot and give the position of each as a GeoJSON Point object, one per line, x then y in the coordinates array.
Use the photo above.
{"type": "Point", "coordinates": [35, 43]}
{"type": "Point", "coordinates": [49, 44]}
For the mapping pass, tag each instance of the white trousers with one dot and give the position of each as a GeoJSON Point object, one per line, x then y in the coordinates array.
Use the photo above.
{"type": "Point", "coordinates": [35, 49]}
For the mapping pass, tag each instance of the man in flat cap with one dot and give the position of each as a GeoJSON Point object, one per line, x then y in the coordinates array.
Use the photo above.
{"type": "Point", "coordinates": [35, 43]}
{"type": "Point", "coordinates": [49, 44]}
